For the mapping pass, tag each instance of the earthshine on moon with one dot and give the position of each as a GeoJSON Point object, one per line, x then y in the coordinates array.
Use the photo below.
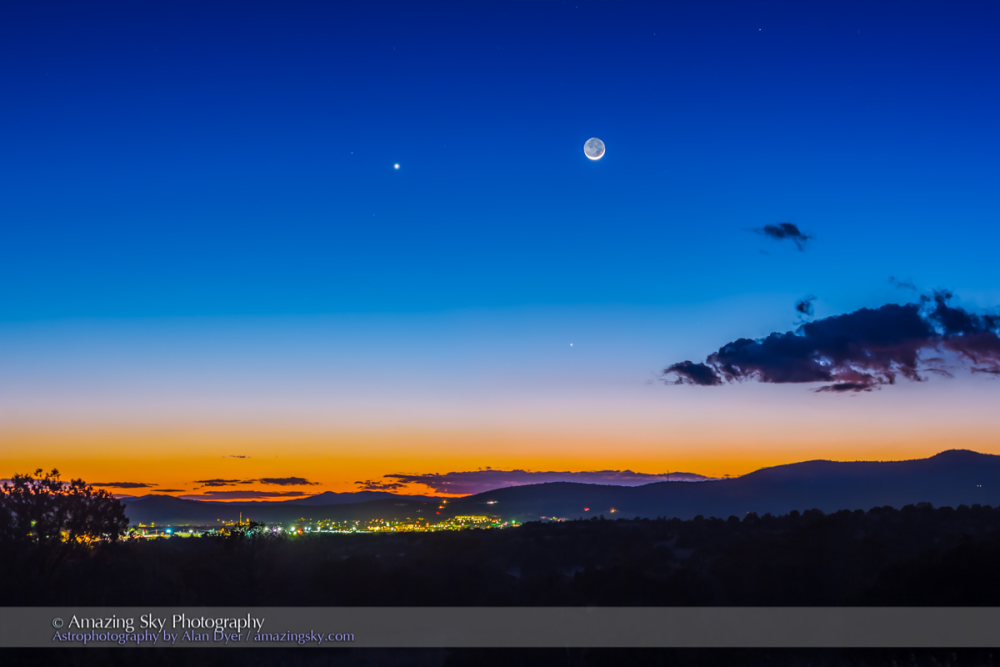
{"type": "Point", "coordinates": [594, 148]}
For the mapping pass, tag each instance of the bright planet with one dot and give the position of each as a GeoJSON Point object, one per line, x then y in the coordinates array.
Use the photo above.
{"type": "Point", "coordinates": [594, 148]}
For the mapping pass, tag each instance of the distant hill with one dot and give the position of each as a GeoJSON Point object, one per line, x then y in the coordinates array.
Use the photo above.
{"type": "Point", "coordinates": [951, 478]}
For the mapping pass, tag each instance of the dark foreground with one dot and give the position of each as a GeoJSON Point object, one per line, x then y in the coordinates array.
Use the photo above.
{"type": "Point", "coordinates": [885, 557]}
{"type": "Point", "coordinates": [915, 556]}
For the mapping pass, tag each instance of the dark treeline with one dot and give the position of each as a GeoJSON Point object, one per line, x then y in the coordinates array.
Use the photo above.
{"type": "Point", "coordinates": [918, 555]}
{"type": "Point", "coordinates": [914, 556]}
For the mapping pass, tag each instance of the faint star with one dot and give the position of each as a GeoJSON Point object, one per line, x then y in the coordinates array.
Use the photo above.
{"type": "Point", "coordinates": [395, 166]}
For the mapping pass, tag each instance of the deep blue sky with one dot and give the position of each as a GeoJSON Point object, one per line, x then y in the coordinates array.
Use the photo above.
{"type": "Point", "coordinates": [205, 250]}
{"type": "Point", "coordinates": [207, 159]}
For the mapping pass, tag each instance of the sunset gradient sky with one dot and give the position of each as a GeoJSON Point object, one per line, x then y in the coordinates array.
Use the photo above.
{"type": "Point", "coordinates": [206, 253]}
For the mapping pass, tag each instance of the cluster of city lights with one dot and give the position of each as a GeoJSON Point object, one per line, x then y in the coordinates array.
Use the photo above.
{"type": "Point", "coordinates": [309, 526]}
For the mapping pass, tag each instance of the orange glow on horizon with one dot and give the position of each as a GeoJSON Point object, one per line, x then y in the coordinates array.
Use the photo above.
{"type": "Point", "coordinates": [178, 458]}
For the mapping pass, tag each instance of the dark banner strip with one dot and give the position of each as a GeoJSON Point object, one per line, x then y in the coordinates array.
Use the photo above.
{"type": "Point", "coordinates": [510, 627]}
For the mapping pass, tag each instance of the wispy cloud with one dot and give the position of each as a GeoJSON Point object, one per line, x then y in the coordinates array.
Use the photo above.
{"type": "Point", "coordinates": [287, 481]}
{"type": "Point", "coordinates": [124, 485]}
{"type": "Point", "coordinates": [369, 485]}
{"type": "Point", "coordinates": [242, 495]}
{"type": "Point", "coordinates": [785, 231]}
{"type": "Point", "coordinates": [804, 306]}
{"type": "Point", "coordinates": [279, 481]}
{"type": "Point", "coordinates": [221, 482]}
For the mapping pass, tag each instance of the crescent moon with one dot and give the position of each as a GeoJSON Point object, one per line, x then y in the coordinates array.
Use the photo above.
{"type": "Point", "coordinates": [594, 148]}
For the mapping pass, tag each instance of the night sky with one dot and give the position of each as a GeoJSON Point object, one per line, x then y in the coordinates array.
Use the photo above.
{"type": "Point", "coordinates": [207, 253]}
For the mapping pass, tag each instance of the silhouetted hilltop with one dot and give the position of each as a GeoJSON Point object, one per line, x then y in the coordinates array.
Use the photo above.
{"type": "Point", "coordinates": [950, 478]}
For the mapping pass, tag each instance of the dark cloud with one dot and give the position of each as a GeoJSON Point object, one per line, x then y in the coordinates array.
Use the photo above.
{"type": "Point", "coordinates": [280, 481]}
{"type": "Point", "coordinates": [221, 482]}
{"type": "Point", "coordinates": [845, 387]}
{"type": "Point", "coordinates": [124, 485]}
{"type": "Point", "coordinates": [785, 231]}
{"type": "Point", "coordinates": [477, 481]}
{"type": "Point", "coordinates": [369, 485]}
{"type": "Point", "coordinates": [238, 456]}
{"type": "Point", "coordinates": [169, 491]}
{"type": "Point", "coordinates": [970, 335]}
{"type": "Point", "coordinates": [902, 284]}
{"type": "Point", "coordinates": [858, 351]}
{"type": "Point", "coordinates": [242, 495]}
{"type": "Point", "coordinates": [287, 481]}
{"type": "Point", "coordinates": [687, 372]}
{"type": "Point", "coordinates": [805, 306]}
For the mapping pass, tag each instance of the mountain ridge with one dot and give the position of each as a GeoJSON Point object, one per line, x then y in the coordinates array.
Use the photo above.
{"type": "Point", "coordinates": [951, 477]}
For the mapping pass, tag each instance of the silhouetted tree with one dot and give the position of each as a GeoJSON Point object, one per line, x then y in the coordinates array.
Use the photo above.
{"type": "Point", "coordinates": [44, 509]}
{"type": "Point", "coordinates": [44, 524]}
